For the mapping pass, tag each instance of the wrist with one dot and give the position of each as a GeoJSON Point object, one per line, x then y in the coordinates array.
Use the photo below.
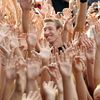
{"type": "Point", "coordinates": [66, 77]}
{"type": "Point", "coordinates": [78, 73]}
{"type": "Point", "coordinates": [26, 10]}
{"type": "Point", "coordinates": [50, 97]}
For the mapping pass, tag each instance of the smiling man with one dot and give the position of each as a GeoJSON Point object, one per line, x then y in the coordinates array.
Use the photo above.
{"type": "Point", "coordinates": [52, 32]}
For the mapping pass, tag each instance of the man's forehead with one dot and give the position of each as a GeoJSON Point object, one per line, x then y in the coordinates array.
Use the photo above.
{"type": "Point", "coordinates": [47, 24]}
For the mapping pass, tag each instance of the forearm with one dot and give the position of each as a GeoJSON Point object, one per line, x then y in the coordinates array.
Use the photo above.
{"type": "Point", "coordinates": [22, 79]}
{"type": "Point", "coordinates": [81, 18]}
{"type": "Point", "coordinates": [32, 85]}
{"type": "Point", "coordinates": [80, 86]}
{"type": "Point", "coordinates": [64, 35]}
{"type": "Point", "coordinates": [2, 82]}
{"type": "Point", "coordinates": [16, 9]}
{"type": "Point", "coordinates": [45, 77]}
{"type": "Point", "coordinates": [97, 67]}
{"type": "Point", "coordinates": [50, 98]}
{"type": "Point", "coordinates": [89, 96]}
{"type": "Point", "coordinates": [26, 20]}
{"type": "Point", "coordinates": [60, 96]}
{"type": "Point", "coordinates": [68, 88]}
{"type": "Point", "coordinates": [9, 89]}
{"type": "Point", "coordinates": [90, 74]}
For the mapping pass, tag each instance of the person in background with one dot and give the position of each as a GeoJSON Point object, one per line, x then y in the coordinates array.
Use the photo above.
{"type": "Point", "coordinates": [59, 5]}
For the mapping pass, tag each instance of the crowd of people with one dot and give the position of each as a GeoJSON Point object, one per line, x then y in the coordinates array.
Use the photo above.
{"type": "Point", "coordinates": [47, 54]}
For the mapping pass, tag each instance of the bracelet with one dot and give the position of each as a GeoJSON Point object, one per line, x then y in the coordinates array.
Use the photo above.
{"type": "Point", "coordinates": [83, 1]}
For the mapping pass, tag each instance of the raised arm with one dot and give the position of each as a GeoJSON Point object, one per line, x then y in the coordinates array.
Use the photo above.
{"type": "Point", "coordinates": [97, 56]}
{"type": "Point", "coordinates": [26, 7]}
{"type": "Point", "coordinates": [80, 83]}
{"type": "Point", "coordinates": [81, 17]}
{"type": "Point", "coordinates": [65, 66]}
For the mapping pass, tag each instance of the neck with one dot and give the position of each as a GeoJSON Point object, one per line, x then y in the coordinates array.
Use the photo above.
{"type": "Point", "coordinates": [58, 43]}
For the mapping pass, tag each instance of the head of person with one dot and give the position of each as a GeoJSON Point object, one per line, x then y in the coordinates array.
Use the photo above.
{"type": "Point", "coordinates": [52, 30]}
{"type": "Point", "coordinates": [97, 93]}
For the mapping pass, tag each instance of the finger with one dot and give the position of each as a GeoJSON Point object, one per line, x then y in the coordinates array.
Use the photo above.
{"type": "Point", "coordinates": [24, 96]}
{"type": "Point", "coordinates": [34, 95]}
{"type": "Point", "coordinates": [51, 48]}
{"type": "Point", "coordinates": [51, 58]}
{"type": "Point", "coordinates": [50, 72]}
{"type": "Point", "coordinates": [39, 46]}
{"type": "Point", "coordinates": [44, 84]}
{"type": "Point", "coordinates": [42, 43]}
{"type": "Point", "coordinates": [37, 97]}
{"type": "Point", "coordinates": [30, 94]}
{"type": "Point", "coordinates": [57, 57]}
{"type": "Point", "coordinates": [34, 53]}
{"type": "Point", "coordinates": [42, 69]}
{"type": "Point", "coordinates": [54, 50]}
{"type": "Point", "coordinates": [55, 87]}
{"type": "Point", "coordinates": [51, 84]}
{"type": "Point", "coordinates": [61, 56]}
{"type": "Point", "coordinates": [4, 50]}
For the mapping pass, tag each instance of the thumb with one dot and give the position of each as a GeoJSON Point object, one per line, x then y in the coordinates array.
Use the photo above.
{"type": "Point", "coordinates": [42, 69]}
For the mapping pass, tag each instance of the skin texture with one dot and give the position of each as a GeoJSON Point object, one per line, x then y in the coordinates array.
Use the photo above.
{"type": "Point", "coordinates": [65, 67]}
{"type": "Point", "coordinates": [96, 70]}
{"type": "Point", "coordinates": [52, 34]}
{"type": "Point", "coordinates": [32, 65]}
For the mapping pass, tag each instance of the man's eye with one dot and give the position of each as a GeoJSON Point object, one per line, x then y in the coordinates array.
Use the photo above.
{"type": "Point", "coordinates": [44, 29]}
{"type": "Point", "coordinates": [50, 29]}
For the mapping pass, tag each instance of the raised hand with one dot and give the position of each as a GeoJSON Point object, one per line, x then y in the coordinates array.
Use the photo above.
{"type": "Point", "coordinates": [11, 68]}
{"type": "Point", "coordinates": [6, 44]}
{"type": "Point", "coordinates": [55, 73]}
{"type": "Point", "coordinates": [32, 38]}
{"type": "Point", "coordinates": [97, 34]}
{"type": "Point", "coordinates": [45, 51]}
{"type": "Point", "coordinates": [34, 67]}
{"type": "Point", "coordinates": [14, 40]}
{"type": "Point", "coordinates": [65, 64]}
{"type": "Point", "coordinates": [67, 13]}
{"type": "Point", "coordinates": [11, 72]}
{"type": "Point", "coordinates": [50, 90]}
{"type": "Point", "coordinates": [32, 96]}
{"type": "Point", "coordinates": [90, 49]}
{"type": "Point", "coordinates": [78, 64]}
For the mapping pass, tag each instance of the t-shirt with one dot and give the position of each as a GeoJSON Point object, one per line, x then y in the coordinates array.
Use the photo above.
{"type": "Point", "coordinates": [59, 5]}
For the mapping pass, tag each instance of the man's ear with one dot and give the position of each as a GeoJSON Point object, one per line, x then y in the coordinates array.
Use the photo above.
{"type": "Point", "coordinates": [60, 30]}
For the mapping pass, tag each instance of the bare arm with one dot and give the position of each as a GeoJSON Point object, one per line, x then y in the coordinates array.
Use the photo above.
{"type": "Point", "coordinates": [2, 81]}
{"type": "Point", "coordinates": [10, 78]}
{"type": "Point", "coordinates": [68, 84]}
{"type": "Point", "coordinates": [80, 83]}
{"type": "Point", "coordinates": [97, 57]}
{"type": "Point", "coordinates": [81, 18]}
{"type": "Point", "coordinates": [26, 7]}
{"type": "Point", "coordinates": [50, 90]}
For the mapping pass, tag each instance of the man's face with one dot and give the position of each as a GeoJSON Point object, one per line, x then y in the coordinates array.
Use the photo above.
{"type": "Point", "coordinates": [51, 33]}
